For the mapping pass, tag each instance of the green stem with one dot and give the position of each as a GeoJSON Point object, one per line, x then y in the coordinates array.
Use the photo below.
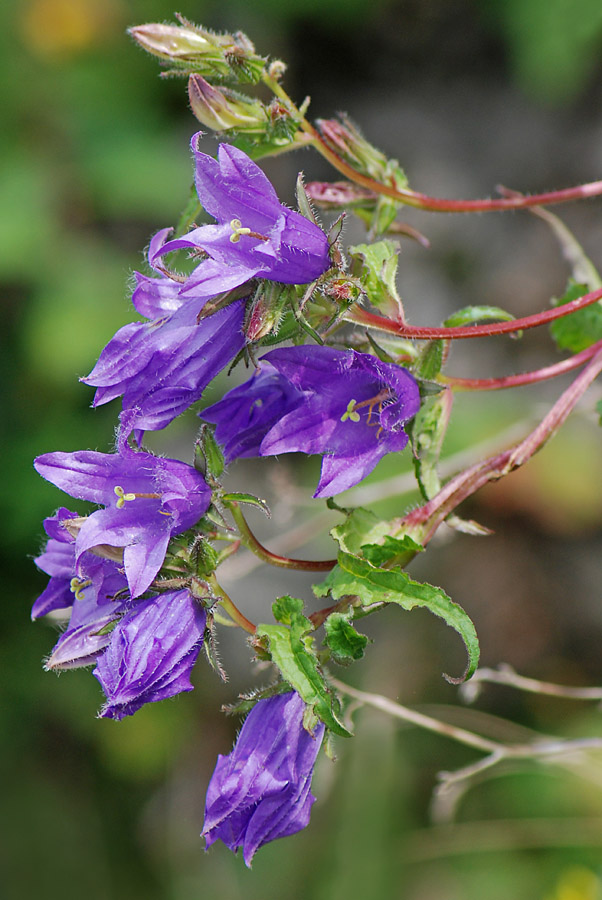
{"type": "Point", "coordinates": [230, 607]}
{"type": "Point", "coordinates": [283, 562]}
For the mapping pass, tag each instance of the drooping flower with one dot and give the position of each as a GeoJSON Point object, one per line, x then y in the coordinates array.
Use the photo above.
{"type": "Point", "coordinates": [256, 236]}
{"type": "Point", "coordinates": [261, 790]}
{"type": "Point", "coordinates": [151, 652]}
{"type": "Point", "coordinates": [352, 411]}
{"type": "Point", "coordinates": [163, 366]}
{"type": "Point", "coordinates": [94, 599]}
{"type": "Point", "coordinates": [147, 499]}
{"type": "Point", "coordinates": [247, 412]}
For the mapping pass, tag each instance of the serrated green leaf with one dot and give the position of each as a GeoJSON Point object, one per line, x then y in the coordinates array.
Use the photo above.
{"type": "Point", "coordinates": [292, 652]}
{"type": "Point", "coordinates": [360, 527]}
{"type": "Point", "coordinates": [376, 267]}
{"type": "Point", "coordinates": [288, 609]}
{"type": "Point", "coordinates": [427, 431]}
{"type": "Point", "coordinates": [471, 314]}
{"type": "Point", "coordinates": [398, 550]}
{"type": "Point", "coordinates": [353, 575]}
{"type": "Point", "coordinates": [580, 329]}
{"type": "Point", "coordinates": [344, 642]}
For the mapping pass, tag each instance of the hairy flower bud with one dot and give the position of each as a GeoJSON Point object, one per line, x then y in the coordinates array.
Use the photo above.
{"type": "Point", "coordinates": [266, 309]}
{"type": "Point", "coordinates": [215, 55]}
{"type": "Point", "coordinates": [222, 110]}
{"type": "Point", "coordinates": [347, 142]}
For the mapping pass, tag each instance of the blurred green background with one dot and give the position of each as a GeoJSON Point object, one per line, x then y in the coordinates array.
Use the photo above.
{"type": "Point", "coordinates": [95, 158]}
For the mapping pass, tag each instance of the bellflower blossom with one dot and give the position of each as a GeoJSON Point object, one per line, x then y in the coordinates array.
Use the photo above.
{"type": "Point", "coordinates": [94, 600]}
{"type": "Point", "coordinates": [247, 412]}
{"type": "Point", "coordinates": [162, 366]}
{"type": "Point", "coordinates": [261, 790]}
{"type": "Point", "coordinates": [151, 652]}
{"type": "Point", "coordinates": [352, 409]}
{"type": "Point", "coordinates": [147, 500]}
{"type": "Point", "coordinates": [256, 236]}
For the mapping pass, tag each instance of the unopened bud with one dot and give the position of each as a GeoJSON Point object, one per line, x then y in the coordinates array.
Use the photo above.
{"type": "Point", "coordinates": [347, 141]}
{"type": "Point", "coordinates": [266, 310]}
{"type": "Point", "coordinates": [222, 56]}
{"type": "Point", "coordinates": [339, 194]}
{"type": "Point", "coordinates": [181, 45]}
{"type": "Point", "coordinates": [222, 110]}
{"type": "Point", "coordinates": [283, 125]}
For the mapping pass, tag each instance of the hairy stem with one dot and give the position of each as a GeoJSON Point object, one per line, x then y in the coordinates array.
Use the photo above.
{"type": "Point", "coordinates": [417, 332]}
{"type": "Point", "coordinates": [424, 521]}
{"type": "Point", "coordinates": [508, 381]}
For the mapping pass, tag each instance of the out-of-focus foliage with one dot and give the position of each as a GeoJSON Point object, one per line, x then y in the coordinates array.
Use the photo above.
{"type": "Point", "coordinates": [554, 45]}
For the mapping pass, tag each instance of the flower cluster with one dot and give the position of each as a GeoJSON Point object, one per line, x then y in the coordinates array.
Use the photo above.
{"type": "Point", "coordinates": [135, 577]}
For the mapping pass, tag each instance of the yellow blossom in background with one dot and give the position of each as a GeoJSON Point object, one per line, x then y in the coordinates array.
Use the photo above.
{"type": "Point", "coordinates": [55, 28]}
{"type": "Point", "coordinates": [577, 883]}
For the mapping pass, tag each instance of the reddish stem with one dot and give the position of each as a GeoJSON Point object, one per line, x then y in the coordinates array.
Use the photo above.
{"type": "Point", "coordinates": [283, 562]}
{"type": "Point", "coordinates": [439, 204]}
{"type": "Point", "coordinates": [418, 332]}
{"type": "Point", "coordinates": [424, 521]}
{"type": "Point", "coordinates": [507, 381]}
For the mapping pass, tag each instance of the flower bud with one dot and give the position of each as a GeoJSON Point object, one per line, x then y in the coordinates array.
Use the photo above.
{"type": "Point", "coordinates": [223, 56]}
{"type": "Point", "coordinates": [339, 194]}
{"type": "Point", "coordinates": [266, 310]}
{"type": "Point", "coordinates": [222, 110]}
{"type": "Point", "coordinates": [181, 45]}
{"type": "Point", "coordinates": [347, 142]}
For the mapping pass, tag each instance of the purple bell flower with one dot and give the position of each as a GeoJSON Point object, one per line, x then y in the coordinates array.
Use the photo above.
{"type": "Point", "coordinates": [151, 653]}
{"type": "Point", "coordinates": [256, 236]}
{"type": "Point", "coordinates": [247, 412]}
{"type": "Point", "coordinates": [163, 366]}
{"type": "Point", "coordinates": [348, 406]}
{"type": "Point", "coordinates": [261, 790]}
{"type": "Point", "coordinates": [147, 500]}
{"type": "Point", "coordinates": [94, 599]}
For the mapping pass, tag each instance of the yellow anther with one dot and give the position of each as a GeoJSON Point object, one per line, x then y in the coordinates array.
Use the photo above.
{"type": "Point", "coordinates": [350, 412]}
{"type": "Point", "coordinates": [237, 230]}
{"type": "Point", "coordinates": [76, 585]}
{"type": "Point", "coordinates": [122, 496]}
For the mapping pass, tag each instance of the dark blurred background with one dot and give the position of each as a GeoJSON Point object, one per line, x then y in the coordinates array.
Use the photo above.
{"type": "Point", "coordinates": [95, 158]}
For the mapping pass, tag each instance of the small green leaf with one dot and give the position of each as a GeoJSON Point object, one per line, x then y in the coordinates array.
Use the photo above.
{"type": "Point", "coordinates": [471, 314]}
{"type": "Point", "coordinates": [208, 456]}
{"type": "Point", "coordinates": [344, 642]}
{"type": "Point", "coordinates": [360, 527]}
{"type": "Point", "coordinates": [376, 267]}
{"type": "Point", "coordinates": [428, 365]}
{"type": "Point", "coordinates": [427, 430]}
{"type": "Point", "coordinates": [353, 575]}
{"type": "Point", "coordinates": [292, 652]}
{"type": "Point", "coordinates": [578, 330]}
{"type": "Point", "coordinates": [305, 207]}
{"type": "Point", "coordinates": [288, 609]}
{"type": "Point", "coordinates": [251, 499]}
{"type": "Point", "coordinates": [599, 410]}
{"type": "Point", "coordinates": [398, 550]}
